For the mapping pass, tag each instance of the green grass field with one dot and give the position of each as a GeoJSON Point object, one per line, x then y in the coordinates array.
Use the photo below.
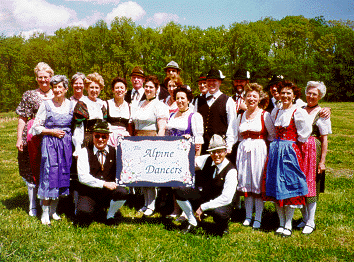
{"type": "Point", "coordinates": [23, 238]}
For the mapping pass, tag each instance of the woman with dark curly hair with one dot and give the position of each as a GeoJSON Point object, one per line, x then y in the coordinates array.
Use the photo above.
{"type": "Point", "coordinates": [285, 180]}
{"type": "Point", "coordinates": [150, 119]}
{"type": "Point", "coordinates": [172, 82]}
{"type": "Point", "coordinates": [118, 111]}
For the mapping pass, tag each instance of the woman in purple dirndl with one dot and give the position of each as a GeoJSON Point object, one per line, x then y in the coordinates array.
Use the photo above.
{"type": "Point", "coordinates": [186, 123]}
{"type": "Point", "coordinates": [53, 121]}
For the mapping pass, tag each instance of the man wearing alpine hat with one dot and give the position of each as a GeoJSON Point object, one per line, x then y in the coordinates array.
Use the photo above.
{"type": "Point", "coordinates": [214, 189]}
{"type": "Point", "coordinates": [96, 168]}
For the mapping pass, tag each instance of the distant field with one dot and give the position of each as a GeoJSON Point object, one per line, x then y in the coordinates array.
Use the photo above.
{"type": "Point", "coordinates": [23, 238]}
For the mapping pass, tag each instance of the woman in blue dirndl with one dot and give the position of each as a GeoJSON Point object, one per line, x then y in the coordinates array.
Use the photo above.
{"type": "Point", "coordinates": [285, 182]}
{"type": "Point", "coordinates": [53, 121]}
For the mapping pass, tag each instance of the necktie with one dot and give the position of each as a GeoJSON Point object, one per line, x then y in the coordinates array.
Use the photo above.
{"type": "Point", "coordinates": [101, 157]}
{"type": "Point", "coordinates": [209, 97]}
{"type": "Point", "coordinates": [216, 172]}
{"type": "Point", "coordinates": [135, 95]}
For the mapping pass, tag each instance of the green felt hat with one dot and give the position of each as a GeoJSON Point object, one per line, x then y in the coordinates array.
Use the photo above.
{"type": "Point", "coordinates": [101, 127]}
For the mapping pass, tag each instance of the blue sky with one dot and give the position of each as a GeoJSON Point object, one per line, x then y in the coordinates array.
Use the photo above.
{"type": "Point", "coordinates": [28, 16]}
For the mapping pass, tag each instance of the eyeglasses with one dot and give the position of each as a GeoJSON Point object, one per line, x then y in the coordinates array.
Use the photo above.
{"type": "Point", "coordinates": [98, 136]}
{"type": "Point", "coordinates": [218, 152]}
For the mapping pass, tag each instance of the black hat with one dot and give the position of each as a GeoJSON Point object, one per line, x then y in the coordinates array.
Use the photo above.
{"type": "Point", "coordinates": [202, 77]}
{"type": "Point", "coordinates": [241, 74]}
{"type": "Point", "coordinates": [101, 127]}
{"type": "Point", "coordinates": [137, 71]}
{"type": "Point", "coordinates": [275, 80]}
{"type": "Point", "coordinates": [215, 74]}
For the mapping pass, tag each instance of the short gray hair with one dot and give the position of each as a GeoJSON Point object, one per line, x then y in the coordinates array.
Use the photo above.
{"type": "Point", "coordinates": [319, 85]}
{"type": "Point", "coordinates": [77, 76]}
{"type": "Point", "coordinates": [58, 79]}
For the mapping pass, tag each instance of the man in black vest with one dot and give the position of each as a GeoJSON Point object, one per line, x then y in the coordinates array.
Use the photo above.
{"type": "Point", "coordinates": [218, 111]}
{"type": "Point", "coordinates": [96, 168]}
{"type": "Point", "coordinates": [214, 188]}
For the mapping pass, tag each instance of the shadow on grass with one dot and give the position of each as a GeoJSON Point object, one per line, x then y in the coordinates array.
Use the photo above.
{"type": "Point", "coordinates": [270, 221]}
{"type": "Point", "coordinates": [18, 201]}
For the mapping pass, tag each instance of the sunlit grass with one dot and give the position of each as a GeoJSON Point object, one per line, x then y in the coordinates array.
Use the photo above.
{"type": "Point", "coordinates": [23, 238]}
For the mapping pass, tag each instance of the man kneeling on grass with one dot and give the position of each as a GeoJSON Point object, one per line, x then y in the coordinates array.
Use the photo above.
{"type": "Point", "coordinates": [96, 168]}
{"type": "Point", "coordinates": [214, 190]}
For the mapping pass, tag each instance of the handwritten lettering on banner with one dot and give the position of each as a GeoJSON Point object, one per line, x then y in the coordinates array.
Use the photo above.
{"type": "Point", "coordinates": [152, 161]}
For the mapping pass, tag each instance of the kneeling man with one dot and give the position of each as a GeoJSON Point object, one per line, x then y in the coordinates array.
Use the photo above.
{"type": "Point", "coordinates": [96, 168]}
{"type": "Point", "coordinates": [214, 189]}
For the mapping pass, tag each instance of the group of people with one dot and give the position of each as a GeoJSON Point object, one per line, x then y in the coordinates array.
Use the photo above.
{"type": "Point", "coordinates": [245, 145]}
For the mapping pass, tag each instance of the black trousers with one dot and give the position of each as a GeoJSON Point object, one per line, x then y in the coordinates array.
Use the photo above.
{"type": "Point", "coordinates": [95, 199]}
{"type": "Point", "coordinates": [221, 215]}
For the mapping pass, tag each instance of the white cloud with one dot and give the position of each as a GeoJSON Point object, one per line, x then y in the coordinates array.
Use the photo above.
{"type": "Point", "coordinates": [88, 21]}
{"type": "Point", "coordinates": [41, 13]}
{"type": "Point", "coordinates": [162, 18]}
{"type": "Point", "coordinates": [128, 9]}
{"type": "Point", "coordinates": [28, 34]}
{"type": "Point", "coordinates": [25, 15]}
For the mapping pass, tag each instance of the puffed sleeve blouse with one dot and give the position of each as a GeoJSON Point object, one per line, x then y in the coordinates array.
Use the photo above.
{"type": "Point", "coordinates": [146, 118]}
{"type": "Point", "coordinates": [255, 125]}
{"type": "Point", "coordinates": [38, 125]}
{"type": "Point", "coordinates": [181, 123]}
{"type": "Point", "coordinates": [303, 123]}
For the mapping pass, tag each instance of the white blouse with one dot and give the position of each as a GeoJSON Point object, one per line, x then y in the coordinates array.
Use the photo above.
{"type": "Point", "coordinates": [121, 111]}
{"type": "Point", "coordinates": [38, 125]}
{"type": "Point", "coordinates": [255, 125]}
{"type": "Point", "coordinates": [324, 125]}
{"type": "Point", "coordinates": [181, 123]}
{"type": "Point", "coordinates": [145, 118]}
{"type": "Point", "coordinates": [95, 112]}
{"type": "Point", "coordinates": [301, 117]}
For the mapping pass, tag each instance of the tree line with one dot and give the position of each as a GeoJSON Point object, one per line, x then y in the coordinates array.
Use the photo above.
{"type": "Point", "coordinates": [298, 48]}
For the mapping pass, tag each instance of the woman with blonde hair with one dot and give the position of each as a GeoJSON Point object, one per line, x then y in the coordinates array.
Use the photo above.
{"type": "Point", "coordinates": [87, 111]}
{"type": "Point", "coordinates": [29, 146]}
{"type": "Point", "coordinates": [254, 129]}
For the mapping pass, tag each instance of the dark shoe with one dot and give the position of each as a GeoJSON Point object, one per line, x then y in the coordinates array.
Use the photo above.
{"type": "Point", "coordinates": [187, 229]}
{"type": "Point", "coordinates": [110, 221]}
{"type": "Point", "coordinates": [308, 230]}
{"type": "Point", "coordinates": [287, 232]}
{"type": "Point", "coordinates": [226, 232]}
